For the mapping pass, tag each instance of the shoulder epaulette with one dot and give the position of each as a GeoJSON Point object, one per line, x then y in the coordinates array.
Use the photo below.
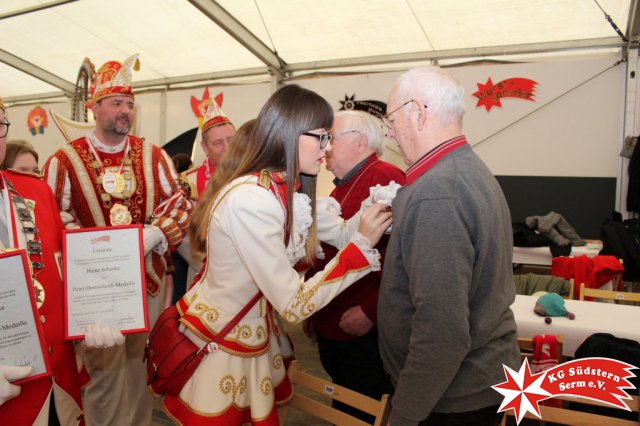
{"type": "Point", "coordinates": [25, 173]}
{"type": "Point", "coordinates": [264, 179]}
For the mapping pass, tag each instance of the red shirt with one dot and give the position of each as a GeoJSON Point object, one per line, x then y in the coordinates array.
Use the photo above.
{"type": "Point", "coordinates": [364, 292]}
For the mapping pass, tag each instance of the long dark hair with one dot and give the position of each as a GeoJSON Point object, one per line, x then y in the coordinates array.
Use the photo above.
{"type": "Point", "coordinates": [273, 145]}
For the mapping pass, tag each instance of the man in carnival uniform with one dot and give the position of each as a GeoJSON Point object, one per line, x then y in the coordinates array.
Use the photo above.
{"type": "Point", "coordinates": [26, 222]}
{"type": "Point", "coordinates": [217, 131]}
{"type": "Point", "coordinates": [118, 179]}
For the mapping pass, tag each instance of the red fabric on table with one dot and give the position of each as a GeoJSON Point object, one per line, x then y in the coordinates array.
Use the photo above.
{"type": "Point", "coordinates": [592, 271]}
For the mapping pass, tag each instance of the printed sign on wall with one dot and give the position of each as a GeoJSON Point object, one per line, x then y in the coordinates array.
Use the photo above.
{"type": "Point", "coordinates": [37, 121]}
{"type": "Point", "coordinates": [489, 95]}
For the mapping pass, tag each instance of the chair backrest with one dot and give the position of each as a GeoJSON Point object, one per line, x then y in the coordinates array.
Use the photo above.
{"type": "Point", "coordinates": [378, 409]}
{"type": "Point", "coordinates": [526, 348]}
{"type": "Point", "coordinates": [608, 294]}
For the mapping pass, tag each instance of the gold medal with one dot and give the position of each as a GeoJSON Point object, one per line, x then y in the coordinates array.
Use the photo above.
{"type": "Point", "coordinates": [120, 183]}
{"type": "Point", "coordinates": [119, 215]}
{"type": "Point", "coordinates": [109, 182]}
{"type": "Point", "coordinates": [38, 291]}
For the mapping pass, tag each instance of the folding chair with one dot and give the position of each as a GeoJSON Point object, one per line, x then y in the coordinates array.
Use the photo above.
{"type": "Point", "coordinates": [526, 348]}
{"type": "Point", "coordinates": [378, 409]}
{"type": "Point", "coordinates": [608, 294]}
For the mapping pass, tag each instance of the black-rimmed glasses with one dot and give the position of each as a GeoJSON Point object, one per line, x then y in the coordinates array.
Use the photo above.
{"type": "Point", "coordinates": [323, 138]}
{"type": "Point", "coordinates": [387, 121]}
{"type": "Point", "coordinates": [4, 129]}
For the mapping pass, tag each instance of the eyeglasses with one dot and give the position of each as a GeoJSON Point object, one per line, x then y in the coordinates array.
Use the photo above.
{"type": "Point", "coordinates": [336, 136]}
{"type": "Point", "coordinates": [324, 138]}
{"type": "Point", "coordinates": [387, 121]}
{"type": "Point", "coordinates": [4, 129]}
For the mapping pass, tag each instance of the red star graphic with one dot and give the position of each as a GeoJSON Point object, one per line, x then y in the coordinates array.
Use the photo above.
{"type": "Point", "coordinates": [522, 391]}
{"type": "Point", "coordinates": [485, 97]}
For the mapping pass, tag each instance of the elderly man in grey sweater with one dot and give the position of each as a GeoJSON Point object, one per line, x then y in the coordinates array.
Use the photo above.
{"type": "Point", "coordinates": [444, 319]}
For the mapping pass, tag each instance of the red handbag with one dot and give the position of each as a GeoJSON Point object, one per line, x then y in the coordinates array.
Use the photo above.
{"type": "Point", "coordinates": [172, 358]}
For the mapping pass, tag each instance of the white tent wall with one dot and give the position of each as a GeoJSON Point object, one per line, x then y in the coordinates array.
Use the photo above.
{"type": "Point", "coordinates": [573, 128]}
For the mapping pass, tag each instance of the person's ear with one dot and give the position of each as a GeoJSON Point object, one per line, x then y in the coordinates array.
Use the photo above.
{"type": "Point", "coordinates": [422, 115]}
{"type": "Point", "coordinates": [363, 143]}
{"type": "Point", "coordinates": [94, 108]}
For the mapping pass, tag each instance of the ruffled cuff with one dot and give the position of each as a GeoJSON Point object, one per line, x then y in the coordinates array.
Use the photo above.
{"type": "Point", "coordinates": [372, 254]}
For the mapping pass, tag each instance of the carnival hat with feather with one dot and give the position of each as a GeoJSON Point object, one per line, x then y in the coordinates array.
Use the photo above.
{"type": "Point", "coordinates": [113, 79]}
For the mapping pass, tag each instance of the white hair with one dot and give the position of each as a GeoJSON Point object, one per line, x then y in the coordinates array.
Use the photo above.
{"type": "Point", "coordinates": [366, 124]}
{"type": "Point", "coordinates": [436, 88]}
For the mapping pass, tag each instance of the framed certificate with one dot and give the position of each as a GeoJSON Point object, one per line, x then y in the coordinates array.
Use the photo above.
{"type": "Point", "coordinates": [21, 337]}
{"type": "Point", "coordinates": [104, 279]}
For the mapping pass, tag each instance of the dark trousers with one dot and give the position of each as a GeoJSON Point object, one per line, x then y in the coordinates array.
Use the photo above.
{"type": "Point", "coordinates": [487, 416]}
{"type": "Point", "coordinates": [179, 277]}
{"type": "Point", "coordinates": [355, 364]}
{"type": "Point", "coordinates": [53, 414]}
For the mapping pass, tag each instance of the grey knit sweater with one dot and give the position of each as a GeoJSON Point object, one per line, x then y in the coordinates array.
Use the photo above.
{"type": "Point", "coordinates": [443, 312]}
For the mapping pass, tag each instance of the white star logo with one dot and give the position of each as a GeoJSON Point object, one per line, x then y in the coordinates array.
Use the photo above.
{"type": "Point", "coordinates": [522, 391]}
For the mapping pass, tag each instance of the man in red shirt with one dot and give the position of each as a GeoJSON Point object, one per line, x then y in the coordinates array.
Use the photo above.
{"type": "Point", "coordinates": [346, 328]}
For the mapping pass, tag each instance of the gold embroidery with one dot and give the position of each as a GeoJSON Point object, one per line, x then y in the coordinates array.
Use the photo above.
{"type": "Point", "coordinates": [228, 386]}
{"type": "Point", "coordinates": [242, 331]}
{"type": "Point", "coordinates": [277, 362]}
{"type": "Point", "coordinates": [206, 313]}
{"type": "Point", "coordinates": [266, 386]}
{"type": "Point", "coordinates": [302, 303]}
{"type": "Point", "coordinates": [261, 333]}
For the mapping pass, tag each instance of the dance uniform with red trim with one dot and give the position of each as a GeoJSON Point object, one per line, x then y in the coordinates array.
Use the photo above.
{"type": "Point", "coordinates": [245, 379]}
{"type": "Point", "coordinates": [32, 405]}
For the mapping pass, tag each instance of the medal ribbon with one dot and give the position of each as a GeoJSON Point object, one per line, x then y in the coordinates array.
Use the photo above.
{"type": "Point", "coordinates": [94, 152]}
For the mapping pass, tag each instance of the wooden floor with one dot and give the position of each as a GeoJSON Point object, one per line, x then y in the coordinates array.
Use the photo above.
{"type": "Point", "coordinates": [306, 353]}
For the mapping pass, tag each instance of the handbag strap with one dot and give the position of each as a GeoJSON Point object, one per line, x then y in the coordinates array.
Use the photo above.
{"type": "Point", "coordinates": [212, 346]}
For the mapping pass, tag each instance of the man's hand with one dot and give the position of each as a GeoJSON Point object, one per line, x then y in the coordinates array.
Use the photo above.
{"type": "Point", "coordinates": [101, 336]}
{"type": "Point", "coordinates": [354, 321]}
{"type": "Point", "coordinates": [9, 372]}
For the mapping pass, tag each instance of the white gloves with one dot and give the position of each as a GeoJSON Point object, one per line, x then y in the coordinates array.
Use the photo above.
{"type": "Point", "coordinates": [381, 194]}
{"type": "Point", "coordinates": [153, 239]}
{"type": "Point", "coordinates": [9, 372]}
{"type": "Point", "coordinates": [101, 336]}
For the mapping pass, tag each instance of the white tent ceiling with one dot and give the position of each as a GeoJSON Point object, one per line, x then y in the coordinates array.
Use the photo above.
{"type": "Point", "coordinates": [199, 41]}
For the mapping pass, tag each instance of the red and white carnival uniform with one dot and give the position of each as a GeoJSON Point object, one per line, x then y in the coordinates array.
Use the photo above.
{"type": "Point", "coordinates": [244, 380]}
{"type": "Point", "coordinates": [118, 393]}
{"type": "Point", "coordinates": [157, 198]}
{"type": "Point", "coordinates": [199, 177]}
{"type": "Point", "coordinates": [31, 407]}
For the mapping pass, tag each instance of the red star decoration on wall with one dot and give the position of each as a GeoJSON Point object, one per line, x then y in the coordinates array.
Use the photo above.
{"type": "Point", "coordinates": [488, 102]}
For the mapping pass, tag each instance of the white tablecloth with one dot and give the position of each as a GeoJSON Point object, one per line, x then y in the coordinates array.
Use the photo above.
{"type": "Point", "coordinates": [542, 255]}
{"type": "Point", "coordinates": [591, 317]}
